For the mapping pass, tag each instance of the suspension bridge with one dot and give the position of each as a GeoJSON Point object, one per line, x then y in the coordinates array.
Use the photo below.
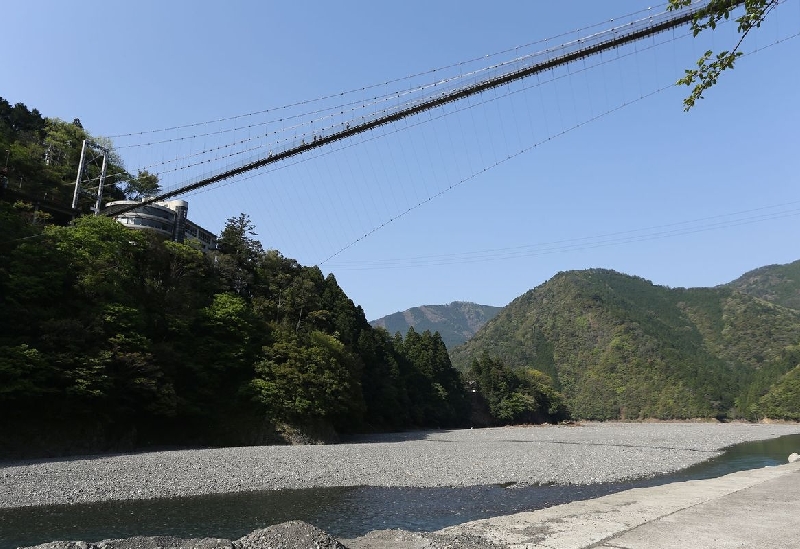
{"type": "Point", "coordinates": [490, 110]}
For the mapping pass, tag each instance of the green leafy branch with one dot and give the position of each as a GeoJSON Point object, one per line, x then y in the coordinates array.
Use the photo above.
{"type": "Point", "coordinates": [709, 67]}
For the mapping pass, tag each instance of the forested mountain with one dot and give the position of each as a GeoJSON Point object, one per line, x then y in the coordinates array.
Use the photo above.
{"type": "Point", "coordinates": [618, 346]}
{"type": "Point", "coordinates": [778, 284]}
{"type": "Point", "coordinates": [455, 322]}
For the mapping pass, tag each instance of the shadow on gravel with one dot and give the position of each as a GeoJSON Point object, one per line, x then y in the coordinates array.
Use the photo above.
{"type": "Point", "coordinates": [403, 436]}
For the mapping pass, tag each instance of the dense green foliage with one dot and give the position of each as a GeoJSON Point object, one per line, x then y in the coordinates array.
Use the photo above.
{"type": "Point", "coordinates": [768, 394]}
{"type": "Point", "coordinates": [617, 346]}
{"type": "Point", "coordinates": [456, 322]}
{"type": "Point", "coordinates": [113, 337]}
{"type": "Point", "coordinates": [515, 396]}
{"type": "Point", "coordinates": [41, 156]}
{"type": "Point", "coordinates": [782, 401]}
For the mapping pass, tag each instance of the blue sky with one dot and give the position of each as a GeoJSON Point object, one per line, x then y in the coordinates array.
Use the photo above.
{"type": "Point", "coordinates": [682, 199]}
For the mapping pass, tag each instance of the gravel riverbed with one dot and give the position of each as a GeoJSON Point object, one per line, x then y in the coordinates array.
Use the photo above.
{"type": "Point", "coordinates": [580, 454]}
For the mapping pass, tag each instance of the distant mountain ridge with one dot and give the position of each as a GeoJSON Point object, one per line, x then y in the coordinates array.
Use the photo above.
{"type": "Point", "coordinates": [456, 322]}
{"type": "Point", "coordinates": [618, 346]}
{"type": "Point", "coordinates": [779, 284]}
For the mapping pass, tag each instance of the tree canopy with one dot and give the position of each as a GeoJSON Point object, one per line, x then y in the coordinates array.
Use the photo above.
{"type": "Point", "coordinates": [112, 338]}
{"type": "Point", "coordinates": [41, 157]}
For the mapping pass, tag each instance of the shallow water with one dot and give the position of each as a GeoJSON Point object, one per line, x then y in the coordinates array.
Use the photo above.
{"type": "Point", "coordinates": [344, 512]}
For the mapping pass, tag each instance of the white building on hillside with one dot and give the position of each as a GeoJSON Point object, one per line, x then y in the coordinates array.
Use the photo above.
{"type": "Point", "coordinates": [165, 218]}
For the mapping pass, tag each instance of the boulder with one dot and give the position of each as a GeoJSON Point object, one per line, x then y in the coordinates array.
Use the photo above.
{"type": "Point", "coordinates": [294, 534]}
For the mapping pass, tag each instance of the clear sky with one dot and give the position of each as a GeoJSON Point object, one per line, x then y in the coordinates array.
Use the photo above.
{"type": "Point", "coordinates": [682, 199]}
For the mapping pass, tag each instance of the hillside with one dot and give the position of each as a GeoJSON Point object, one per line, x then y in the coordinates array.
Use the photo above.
{"type": "Point", "coordinates": [778, 284]}
{"type": "Point", "coordinates": [456, 322]}
{"type": "Point", "coordinates": [113, 339]}
{"type": "Point", "coordinates": [618, 346]}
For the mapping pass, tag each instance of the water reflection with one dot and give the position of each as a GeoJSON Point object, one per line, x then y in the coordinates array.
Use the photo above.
{"type": "Point", "coordinates": [741, 457]}
{"type": "Point", "coordinates": [344, 512]}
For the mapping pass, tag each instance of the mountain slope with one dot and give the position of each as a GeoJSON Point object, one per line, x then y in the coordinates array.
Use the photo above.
{"type": "Point", "coordinates": [778, 284]}
{"type": "Point", "coordinates": [456, 322]}
{"type": "Point", "coordinates": [618, 346]}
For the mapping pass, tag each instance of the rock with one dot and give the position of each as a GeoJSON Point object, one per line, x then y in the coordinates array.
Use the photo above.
{"type": "Point", "coordinates": [294, 534]}
{"type": "Point", "coordinates": [389, 539]}
{"type": "Point", "coordinates": [793, 457]}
